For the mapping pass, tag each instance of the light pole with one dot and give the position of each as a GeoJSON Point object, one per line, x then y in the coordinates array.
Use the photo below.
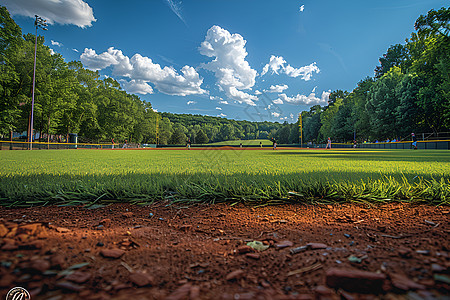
{"type": "Point", "coordinates": [38, 23]}
{"type": "Point", "coordinates": [300, 125]}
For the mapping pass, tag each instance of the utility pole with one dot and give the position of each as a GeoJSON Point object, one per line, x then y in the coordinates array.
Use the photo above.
{"type": "Point", "coordinates": [300, 125]}
{"type": "Point", "coordinates": [38, 23]}
{"type": "Point", "coordinates": [157, 129]}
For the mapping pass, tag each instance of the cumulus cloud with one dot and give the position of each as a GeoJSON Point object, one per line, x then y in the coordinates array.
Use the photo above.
{"type": "Point", "coordinates": [232, 71]}
{"type": "Point", "coordinates": [305, 72]}
{"type": "Point", "coordinates": [75, 12]}
{"type": "Point", "coordinates": [302, 8]}
{"type": "Point", "coordinates": [94, 61]}
{"type": "Point", "coordinates": [257, 92]}
{"type": "Point", "coordinates": [278, 65]}
{"type": "Point", "coordinates": [136, 87]}
{"type": "Point", "coordinates": [54, 43]}
{"type": "Point", "coordinates": [75, 50]}
{"type": "Point", "coordinates": [275, 64]}
{"type": "Point", "coordinates": [143, 70]}
{"type": "Point", "coordinates": [215, 98]}
{"type": "Point", "coordinates": [222, 115]}
{"type": "Point", "coordinates": [219, 108]}
{"type": "Point", "coordinates": [190, 102]}
{"type": "Point", "coordinates": [305, 100]}
{"type": "Point", "coordinates": [52, 52]}
{"type": "Point", "coordinates": [276, 88]}
{"type": "Point", "coordinates": [277, 101]}
{"type": "Point", "coordinates": [223, 102]}
{"type": "Point", "coordinates": [275, 114]}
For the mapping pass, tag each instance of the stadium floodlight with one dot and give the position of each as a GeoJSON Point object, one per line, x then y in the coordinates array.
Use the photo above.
{"type": "Point", "coordinates": [38, 23]}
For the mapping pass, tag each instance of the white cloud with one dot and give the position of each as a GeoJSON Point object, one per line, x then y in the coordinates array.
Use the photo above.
{"type": "Point", "coordinates": [176, 8]}
{"type": "Point", "coordinates": [155, 110]}
{"type": "Point", "coordinates": [223, 102]}
{"type": "Point", "coordinates": [75, 50]}
{"type": "Point", "coordinates": [277, 65]}
{"type": "Point", "coordinates": [277, 101]}
{"type": "Point", "coordinates": [215, 98]}
{"type": "Point", "coordinates": [305, 72]}
{"type": "Point", "coordinates": [190, 102]}
{"type": "Point", "coordinates": [305, 100]}
{"type": "Point", "coordinates": [54, 43]}
{"type": "Point", "coordinates": [232, 71]}
{"type": "Point", "coordinates": [222, 115]}
{"type": "Point", "coordinates": [275, 114]}
{"type": "Point", "coordinates": [76, 12]}
{"type": "Point", "coordinates": [166, 80]}
{"type": "Point", "coordinates": [219, 108]}
{"type": "Point", "coordinates": [242, 97]}
{"type": "Point", "coordinates": [277, 88]}
{"type": "Point", "coordinates": [291, 115]}
{"type": "Point", "coordinates": [52, 52]}
{"type": "Point", "coordinates": [302, 8]}
{"type": "Point", "coordinates": [136, 87]}
{"type": "Point", "coordinates": [257, 92]}
{"type": "Point", "coordinates": [94, 61]}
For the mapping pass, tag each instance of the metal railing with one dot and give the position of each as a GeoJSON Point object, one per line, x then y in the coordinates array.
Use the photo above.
{"type": "Point", "coordinates": [430, 144]}
{"type": "Point", "coordinates": [17, 145]}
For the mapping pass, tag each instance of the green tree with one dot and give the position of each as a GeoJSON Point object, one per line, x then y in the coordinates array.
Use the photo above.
{"type": "Point", "coordinates": [202, 138]}
{"type": "Point", "coordinates": [396, 56]}
{"type": "Point", "coordinates": [326, 119]}
{"type": "Point", "coordinates": [179, 135]}
{"type": "Point", "coordinates": [383, 103]}
{"type": "Point", "coordinates": [11, 44]}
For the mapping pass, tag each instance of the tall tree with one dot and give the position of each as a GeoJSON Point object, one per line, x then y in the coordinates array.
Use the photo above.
{"type": "Point", "coordinates": [396, 56]}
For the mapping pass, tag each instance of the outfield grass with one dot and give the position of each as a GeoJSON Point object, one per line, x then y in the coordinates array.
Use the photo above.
{"type": "Point", "coordinates": [249, 176]}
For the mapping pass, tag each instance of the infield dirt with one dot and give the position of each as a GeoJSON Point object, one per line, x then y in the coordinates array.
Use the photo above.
{"type": "Point", "coordinates": [200, 252]}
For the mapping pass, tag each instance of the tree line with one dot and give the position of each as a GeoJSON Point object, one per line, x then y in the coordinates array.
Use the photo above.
{"type": "Point", "coordinates": [410, 91]}
{"type": "Point", "coordinates": [72, 99]}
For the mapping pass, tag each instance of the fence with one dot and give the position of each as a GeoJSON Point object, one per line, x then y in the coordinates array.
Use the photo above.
{"type": "Point", "coordinates": [430, 144]}
{"type": "Point", "coordinates": [14, 145]}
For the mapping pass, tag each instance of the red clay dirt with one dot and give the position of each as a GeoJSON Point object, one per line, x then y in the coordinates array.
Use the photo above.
{"type": "Point", "coordinates": [121, 251]}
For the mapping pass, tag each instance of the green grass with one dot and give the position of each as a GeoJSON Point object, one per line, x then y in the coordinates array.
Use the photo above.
{"type": "Point", "coordinates": [244, 143]}
{"type": "Point", "coordinates": [257, 177]}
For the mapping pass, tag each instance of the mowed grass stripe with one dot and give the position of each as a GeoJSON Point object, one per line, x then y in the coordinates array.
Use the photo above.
{"type": "Point", "coordinates": [254, 177]}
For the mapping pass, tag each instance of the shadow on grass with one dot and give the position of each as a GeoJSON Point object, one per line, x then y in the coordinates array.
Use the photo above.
{"type": "Point", "coordinates": [374, 155]}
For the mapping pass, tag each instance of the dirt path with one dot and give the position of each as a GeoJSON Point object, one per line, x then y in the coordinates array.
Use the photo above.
{"type": "Point", "coordinates": [160, 252]}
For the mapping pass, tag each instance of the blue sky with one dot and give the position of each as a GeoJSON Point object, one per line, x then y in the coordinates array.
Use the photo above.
{"type": "Point", "coordinates": [242, 59]}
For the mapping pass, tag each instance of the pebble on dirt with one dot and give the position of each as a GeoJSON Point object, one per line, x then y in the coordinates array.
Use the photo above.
{"type": "Point", "coordinates": [284, 244]}
{"type": "Point", "coordinates": [355, 280]}
{"type": "Point", "coordinates": [78, 277]}
{"type": "Point", "coordinates": [235, 275]}
{"type": "Point", "coordinates": [403, 283]}
{"type": "Point", "coordinates": [141, 279]}
{"type": "Point", "coordinates": [112, 253]}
